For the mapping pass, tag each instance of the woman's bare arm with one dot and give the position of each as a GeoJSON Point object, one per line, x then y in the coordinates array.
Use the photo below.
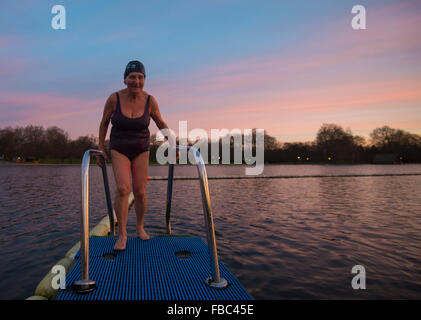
{"type": "Point", "coordinates": [106, 117]}
{"type": "Point", "coordinates": [156, 114]}
{"type": "Point", "coordinates": [160, 123]}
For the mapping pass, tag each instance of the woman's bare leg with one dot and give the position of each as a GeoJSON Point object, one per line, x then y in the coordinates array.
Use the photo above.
{"type": "Point", "coordinates": [121, 169]}
{"type": "Point", "coordinates": [140, 166]}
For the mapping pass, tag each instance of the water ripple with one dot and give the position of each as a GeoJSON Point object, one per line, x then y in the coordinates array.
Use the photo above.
{"type": "Point", "coordinates": [283, 238]}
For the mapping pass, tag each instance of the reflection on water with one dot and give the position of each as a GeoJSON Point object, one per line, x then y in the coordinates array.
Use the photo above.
{"type": "Point", "coordinates": [283, 238]}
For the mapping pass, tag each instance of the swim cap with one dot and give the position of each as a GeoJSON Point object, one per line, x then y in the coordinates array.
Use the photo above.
{"type": "Point", "coordinates": [134, 66]}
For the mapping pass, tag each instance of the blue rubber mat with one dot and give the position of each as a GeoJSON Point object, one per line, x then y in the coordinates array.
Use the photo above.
{"type": "Point", "coordinates": [150, 270]}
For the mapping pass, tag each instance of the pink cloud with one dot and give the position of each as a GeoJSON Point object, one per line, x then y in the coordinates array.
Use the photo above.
{"type": "Point", "coordinates": [331, 79]}
{"type": "Point", "coordinates": [9, 40]}
{"type": "Point", "coordinates": [392, 31]}
{"type": "Point", "coordinates": [34, 108]}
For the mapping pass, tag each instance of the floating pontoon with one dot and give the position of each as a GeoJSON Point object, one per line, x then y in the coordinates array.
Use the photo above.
{"type": "Point", "coordinates": [166, 267]}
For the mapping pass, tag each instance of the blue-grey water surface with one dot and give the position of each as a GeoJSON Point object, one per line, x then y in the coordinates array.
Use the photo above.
{"type": "Point", "coordinates": [283, 238]}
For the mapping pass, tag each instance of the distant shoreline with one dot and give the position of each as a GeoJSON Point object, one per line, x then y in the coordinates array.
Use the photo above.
{"type": "Point", "coordinates": [10, 163]}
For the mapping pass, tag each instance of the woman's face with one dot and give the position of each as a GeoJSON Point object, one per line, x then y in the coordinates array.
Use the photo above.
{"type": "Point", "coordinates": [135, 81]}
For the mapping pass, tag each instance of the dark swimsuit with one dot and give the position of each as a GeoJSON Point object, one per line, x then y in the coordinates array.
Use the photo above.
{"type": "Point", "coordinates": [130, 136]}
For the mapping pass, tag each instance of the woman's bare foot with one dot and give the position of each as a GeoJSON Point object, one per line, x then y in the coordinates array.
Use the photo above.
{"type": "Point", "coordinates": [141, 233]}
{"type": "Point", "coordinates": [121, 243]}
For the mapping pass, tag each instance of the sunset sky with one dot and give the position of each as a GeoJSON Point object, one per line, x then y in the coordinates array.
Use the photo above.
{"type": "Point", "coordinates": [283, 66]}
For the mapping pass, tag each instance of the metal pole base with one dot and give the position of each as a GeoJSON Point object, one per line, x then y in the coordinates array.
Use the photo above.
{"type": "Point", "coordinates": [83, 286]}
{"type": "Point", "coordinates": [217, 285]}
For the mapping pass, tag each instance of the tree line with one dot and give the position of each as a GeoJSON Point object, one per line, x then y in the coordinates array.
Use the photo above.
{"type": "Point", "coordinates": [35, 142]}
{"type": "Point", "coordinates": [332, 144]}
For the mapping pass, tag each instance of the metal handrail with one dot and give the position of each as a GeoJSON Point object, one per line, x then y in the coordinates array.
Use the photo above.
{"type": "Point", "coordinates": [85, 284]}
{"type": "Point", "coordinates": [215, 281]}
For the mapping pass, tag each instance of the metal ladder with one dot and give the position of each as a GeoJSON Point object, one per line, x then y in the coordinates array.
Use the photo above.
{"type": "Point", "coordinates": [85, 284]}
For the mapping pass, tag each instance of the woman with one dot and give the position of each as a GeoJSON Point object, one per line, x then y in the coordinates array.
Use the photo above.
{"type": "Point", "coordinates": [130, 111]}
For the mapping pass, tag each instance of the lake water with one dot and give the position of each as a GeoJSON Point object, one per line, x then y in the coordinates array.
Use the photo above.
{"type": "Point", "coordinates": [294, 238]}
